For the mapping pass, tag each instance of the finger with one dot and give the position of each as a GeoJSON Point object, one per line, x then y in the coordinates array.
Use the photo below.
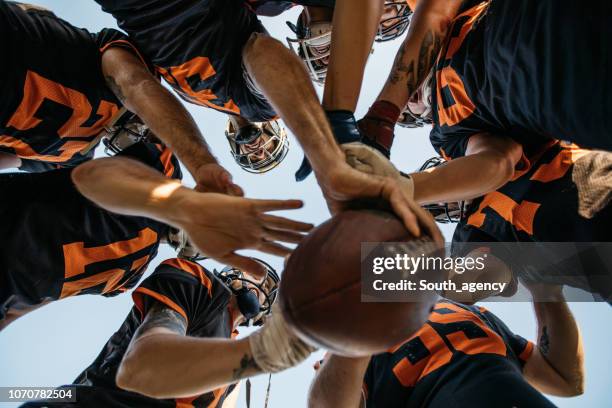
{"type": "Point", "coordinates": [428, 223]}
{"type": "Point", "coordinates": [273, 248]}
{"type": "Point", "coordinates": [276, 205]}
{"type": "Point", "coordinates": [274, 222]}
{"type": "Point", "coordinates": [234, 190]}
{"type": "Point", "coordinates": [245, 264]}
{"type": "Point", "coordinates": [284, 236]}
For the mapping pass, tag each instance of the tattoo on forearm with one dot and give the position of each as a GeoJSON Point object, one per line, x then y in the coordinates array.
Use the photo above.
{"type": "Point", "coordinates": [246, 362]}
{"type": "Point", "coordinates": [162, 316]}
{"type": "Point", "coordinates": [110, 82]}
{"type": "Point", "coordinates": [544, 343]}
{"type": "Point", "coordinates": [414, 72]}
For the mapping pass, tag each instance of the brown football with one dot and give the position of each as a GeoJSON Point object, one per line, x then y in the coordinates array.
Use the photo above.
{"type": "Point", "coordinates": [320, 291]}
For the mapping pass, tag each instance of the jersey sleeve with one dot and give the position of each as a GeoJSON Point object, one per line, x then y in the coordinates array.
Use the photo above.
{"type": "Point", "coordinates": [449, 144]}
{"type": "Point", "coordinates": [520, 347]}
{"type": "Point", "coordinates": [183, 286]}
{"type": "Point", "coordinates": [109, 38]}
{"type": "Point", "coordinates": [156, 155]}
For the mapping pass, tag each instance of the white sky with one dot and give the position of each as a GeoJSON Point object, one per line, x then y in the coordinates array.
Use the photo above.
{"type": "Point", "coordinates": [51, 346]}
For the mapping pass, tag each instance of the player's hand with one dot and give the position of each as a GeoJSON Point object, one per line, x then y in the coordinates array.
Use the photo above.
{"type": "Point", "coordinates": [213, 178]}
{"type": "Point", "coordinates": [218, 225]}
{"type": "Point", "coordinates": [342, 185]}
{"type": "Point", "coordinates": [369, 160]}
{"type": "Point", "coordinates": [274, 347]}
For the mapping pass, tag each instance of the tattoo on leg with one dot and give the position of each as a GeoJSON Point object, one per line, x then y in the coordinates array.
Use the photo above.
{"type": "Point", "coordinates": [110, 82]}
{"type": "Point", "coordinates": [246, 362]}
{"type": "Point", "coordinates": [544, 343]}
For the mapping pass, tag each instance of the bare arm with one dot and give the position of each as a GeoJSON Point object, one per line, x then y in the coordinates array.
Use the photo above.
{"type": "Point", "coordinates": [164, 114]}
{"type": "Point", "coordinates": [415, 58]}
{"type": "Point", "coordinates": [9, 161]}
{"type": "Point", "coordinates": [161, 362]}
{"type": "Point", "coordinates": [489, 164]}
{"type": "Point", "coordinates": [338, 383]}
{"type": "Point", "coordinates": [218, 225]}
{"type": "Point", "coordinates": [556, 366]}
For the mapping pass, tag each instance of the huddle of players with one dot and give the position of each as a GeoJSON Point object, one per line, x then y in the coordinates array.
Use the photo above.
{"type": "Point", "coordinates": [448, 73]}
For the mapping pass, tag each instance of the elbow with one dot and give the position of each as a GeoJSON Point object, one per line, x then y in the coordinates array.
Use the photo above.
{"type": "Point", "coordinates": [576, 387]}
{"type": "Point", "coordinates": [84, 174]}
{"type": "Point", "coordinates": [133, 375]}
{"type": "Point", "coordinates": [504, 165]}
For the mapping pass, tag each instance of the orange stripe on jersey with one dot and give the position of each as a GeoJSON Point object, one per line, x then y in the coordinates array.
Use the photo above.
{"type": "Point", "coordinates": [520, 215]}
{"type": "Point", "coordinates": [166, 160]}
{"type": "Point", "coordinates": [492, 344]}
{"type": "Point", "coordinates": [559, 165]}
{"type": "Point", "coordinates": [527, 351]}
{"type": "Point", "coordinates": [110, 278]}
{"type": "Point", "coordinates": [142, 291]}
{"type": "Point", "coordinates": [77, 257]}
{"type": "Point", "coordinates": [191, 268]}
{"type": "Point", "coordinates": [23, 150]}
{"type": "Point", "coordinates": [201, 67]}
{"type": "Point", "coordinates": [38, 88]}
{"type": "Point", "coordinates": [448, 78]}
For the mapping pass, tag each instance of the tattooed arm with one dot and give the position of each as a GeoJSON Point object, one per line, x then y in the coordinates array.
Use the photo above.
{"type": "Point", "coordinates": [416, 56]}
{"type": "Point", "coordinates": [162, 362]}
{"type": "Point", "coordinates": [556, 365]}
{"type": "Point", "coordinates": [167, 118]}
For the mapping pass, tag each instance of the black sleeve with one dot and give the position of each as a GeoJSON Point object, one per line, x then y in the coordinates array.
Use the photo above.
{"type": "Point", "coordinates": [157, 156]}
{"type": "Point", "coordinates": [109, 37]}
{"type": "Point", "coordinates": [517, 345]}
{"type": "Point", "coordinates": [449, 144]}
{"type": "Point", "coordinates": [183, 286]}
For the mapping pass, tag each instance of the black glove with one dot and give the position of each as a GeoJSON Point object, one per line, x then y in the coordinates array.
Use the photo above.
{"type": "Point", "coordinates": [345, 130]}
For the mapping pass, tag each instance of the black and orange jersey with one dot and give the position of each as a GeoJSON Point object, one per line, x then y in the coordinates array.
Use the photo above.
{"type": "Point", "coordinates": [462, 356]}
{"type": "Point", "coordinates": [54, 97]}
{"type": "Point", "coordinates": [542, 203]}
{"type": "Point", "coordinates": [56, 243]}
{"type": "Point", "coordinates": [194, 293]}
{"type": "Point", "coordinates": [514, 69]}
{"type": "Point", "coordinates": [558, 197]}
{"type": "Point", "coordinates": [196, 46]}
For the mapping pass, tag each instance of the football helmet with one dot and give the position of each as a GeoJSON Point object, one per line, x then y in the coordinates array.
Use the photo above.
{"type": "Point", "coordinates": [394, 22]}
{"type": "Point", "coordinates": [257, 147]}
{"type": "Point", "coordinates": [418, 109]}
{"type": "Point", "coordinates": [312, 44]}
{"type": "Point", "coordinates": [255, 299]}
{"type": "Point", "coordinates": [313, 39]}
{"type": "Point", "coordinates": [124, 130]}
{"type": "Point", "coordinates": [444, 213]}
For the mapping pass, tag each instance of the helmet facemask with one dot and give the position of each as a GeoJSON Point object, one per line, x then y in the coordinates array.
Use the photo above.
{"type": "Point", "coordinates": [444, 213]}
{"type": "Point", "coordinates": [396, 24]}
{"type": "Point", "coordinates": [312, 44]}
{"type": "Point", "coordinates": [258, 148]}
{"type": "Point", "coordinates": [255, 299]}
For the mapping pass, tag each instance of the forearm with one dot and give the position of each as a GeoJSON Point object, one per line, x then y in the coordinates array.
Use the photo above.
{"type": "Point", "coordinates": [559, 340]}
{"type": "Point", "coordinates": [464, 178]}
{"type": "Point", "coordinates": [338, 383]}
{"type": "Point", "coordinates": [137, 189]}
{"type": "Point", "coordinates": [173, 366]}
{"type": "Point", "coordinates": [350, 49]}
{"type": "Point", "coordinates": [417, 54]}
{"type": "Point", "coordinates": [161, 111]}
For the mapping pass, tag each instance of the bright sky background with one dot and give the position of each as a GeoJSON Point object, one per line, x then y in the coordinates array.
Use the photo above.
{"type": "Point", "coordinates": [51, 346]}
